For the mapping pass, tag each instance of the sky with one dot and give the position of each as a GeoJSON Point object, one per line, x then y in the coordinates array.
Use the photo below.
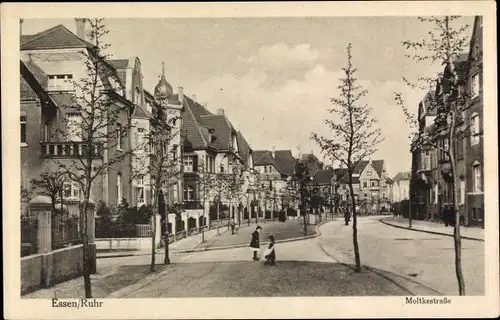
{"type": "Point", "coordinates": [274, 77]}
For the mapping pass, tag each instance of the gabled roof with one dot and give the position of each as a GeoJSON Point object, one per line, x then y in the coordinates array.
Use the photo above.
{"type": "Point", "coordinates": [30, 87]}
{"type": "Point", "coordinates": [195, 138]}
{"type": "Point", "coordinates": [378, 165]}
{"type": "Point", "coordinates": [140, 112]}
{"type": "Point", "coordinates": [244, 148]}
{"type": "Point", "coordinates": [283, 161]}
{"type": "Point", "coordinates": [58, 37]}
{"type": "Point", "coordinates": [427, 104]}
{"type": "Point", "coordinates": [401, 176]}
{"type": "Point", "coordinates": [120, 66]}
{"type": "Point", "coordinates": [223, 130]}
{"type": "Point", "coordinates": [323, 176]}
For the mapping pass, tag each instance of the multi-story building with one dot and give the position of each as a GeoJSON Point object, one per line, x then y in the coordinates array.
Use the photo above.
{"type": "Point", "coordinates": [474, 144]}
{"type": "Point", "coordinates": [212, 148]}
{"type": "Point", "coordinates": [432, 181]}
{"type": "Point", "coordinates": [51, 61]}
{"type": "Point", "coordinates": [371, 185]}
{"type": "Point", "coordinates": [274, 168]}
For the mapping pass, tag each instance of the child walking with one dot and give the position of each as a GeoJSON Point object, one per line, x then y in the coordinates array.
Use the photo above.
{"type": "Point", "coordinates": [270, 253]}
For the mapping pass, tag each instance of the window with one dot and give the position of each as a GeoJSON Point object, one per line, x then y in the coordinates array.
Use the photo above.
{"type": "Point", "coordinates": [474, 129]}
{"type": "Point", "coordinates": [137, 96]}
{"type": "Point", "coordinates": [189, 193]}
{"type": "Point", "coordinates": [188, 163]}
{"type": "Point", "coordinates": [71, 190]}
{"type": "Point", "coordinates": [139, 190]}
{"type": "Point", "coordinates": [119, 188]}
{"type": "Point", "coordinates": [369, 173]}
{"type": "Point", "coordinates": [459, 148]}
{"type": "Point", "coordinates": [265, 169]}
{"type": "Point", "coordinates": [174, 152]}
{"type": "Point", "coordinates": [373, 183]}
{"type": "Point", "coordinates": [476, 176]}
{"type": "Point", "coordinates": [475, 85]}
{"type": "Point", "coordinates": [119, 133]}
{"type": "Point", "coordinates": [476, 52]}
{"type": "Point", "coordinates": [74, 126]}
{"type": "Point", "coordinates": [365, 184]}
{"type": "Point", "coordinates": [23, 130]}
{"type": "Point", "coordinates": [60, 82]}
{"type": "Point", "coordinates": [140, 139]}
{"type": "Point", "coordinates": [461, 190]}
{"type": "Point", "coordinates": [427, 160]}
{"type": "Point", "coordinates": [436, 192]}
{"type": "Point", "coordinates": [222, 168]}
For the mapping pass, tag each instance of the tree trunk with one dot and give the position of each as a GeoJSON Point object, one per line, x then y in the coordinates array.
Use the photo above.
{"type": "Point", "coordinates": [218, 219]}
{"type": "Point", "coordinates": [166, 259]}
{"type": "Point", "coordinates": [86, 249]}
{"type": "Point", "coordinates": [456, 229]}
{"type": "Point", "coordinates": [355, 229]}
{"type": "Point", "coordinates": [153, 242]}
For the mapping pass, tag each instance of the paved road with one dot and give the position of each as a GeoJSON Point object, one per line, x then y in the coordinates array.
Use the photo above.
{"type": "Point", "coordinates": [281, 231]}
{"type": "Point", "coordinates": [397, 262]}
{"type": "Point", "coordinates": [427, 258]}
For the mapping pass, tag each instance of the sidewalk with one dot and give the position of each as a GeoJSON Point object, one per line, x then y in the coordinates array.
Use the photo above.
{"type": "Point", "coordinates": [469, 233]}
{"type": "Point", "coordinates": [282, 231]}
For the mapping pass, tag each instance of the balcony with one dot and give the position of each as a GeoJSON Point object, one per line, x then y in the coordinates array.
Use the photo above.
{"type": "Point", "coordinates": [70, 150]}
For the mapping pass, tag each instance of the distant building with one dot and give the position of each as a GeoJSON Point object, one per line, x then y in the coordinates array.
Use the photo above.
{"type": "Point", "coordinates": [372, 186]}
{"type": "Point", "coordinates": [274, 168]}
{"type": "Point", "coordinates": [401, 187]}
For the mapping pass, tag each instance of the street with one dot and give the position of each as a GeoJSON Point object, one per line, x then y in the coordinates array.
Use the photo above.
{"type": "Point", "coordinates": [402, 260]}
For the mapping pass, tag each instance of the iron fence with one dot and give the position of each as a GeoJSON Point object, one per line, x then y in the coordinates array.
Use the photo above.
{"type": "Point", "coordinates": [65, 231]}
{"type": "Point", "coordinates": [29, 235]}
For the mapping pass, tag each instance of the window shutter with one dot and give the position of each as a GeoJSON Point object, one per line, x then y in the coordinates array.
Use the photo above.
{"type": "Point", "coordinates": [195, 163]}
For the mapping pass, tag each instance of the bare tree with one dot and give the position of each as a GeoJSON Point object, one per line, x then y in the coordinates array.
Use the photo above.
{"type": "Point", "coordinates": [446, 41]}
{"type": "Point", "coordinates": [354, 136]}
{"type": "Point", "coordinates": [51, 184]}
{"type": "Point", "coordinates": [161, 163]}
{"type": "Point", "coordinates": [235, 183]}
{"type": "Point", "coordinates": [96, 124]}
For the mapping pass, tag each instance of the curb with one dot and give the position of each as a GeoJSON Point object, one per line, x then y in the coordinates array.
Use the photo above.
{"type": "Point", "coordinates": [428, 231]}
{"type": "Point", "coordinates": [136, 286]}
{"type": "Point", "coordinates": [317, 234]}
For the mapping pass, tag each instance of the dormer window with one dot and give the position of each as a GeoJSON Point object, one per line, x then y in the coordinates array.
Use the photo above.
{"type": "Point", "coordinates": [60, 82]}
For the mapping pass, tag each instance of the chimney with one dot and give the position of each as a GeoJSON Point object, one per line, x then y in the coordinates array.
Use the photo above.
{"type": "Point", "coordinates": [80, 28]}
{"type": "Point", "coordinates": [180, 91]}
{"type": "Point", "coordinates": [194, 97]}
{"type": "Point", "coordinates": [274, 152]}
{"type": "Point", "coordinates": [21, 26]}
{"type": "Point", "coordinates": [220, 112]}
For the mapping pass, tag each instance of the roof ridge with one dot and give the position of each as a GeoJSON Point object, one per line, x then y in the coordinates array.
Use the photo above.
{"type": "Point", "coordinates": [42, 33]}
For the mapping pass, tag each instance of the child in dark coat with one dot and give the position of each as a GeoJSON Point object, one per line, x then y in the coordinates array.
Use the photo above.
{"type": "Point", "coordinates": [255, 243]}
{"type": "Point", "coordinates": [270, 253]}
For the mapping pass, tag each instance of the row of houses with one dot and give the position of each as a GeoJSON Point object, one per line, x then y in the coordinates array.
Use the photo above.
{"type": "Point", "coordinates": [207, 142]}
{"type": "Point", "coordinates": [431, 179]}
